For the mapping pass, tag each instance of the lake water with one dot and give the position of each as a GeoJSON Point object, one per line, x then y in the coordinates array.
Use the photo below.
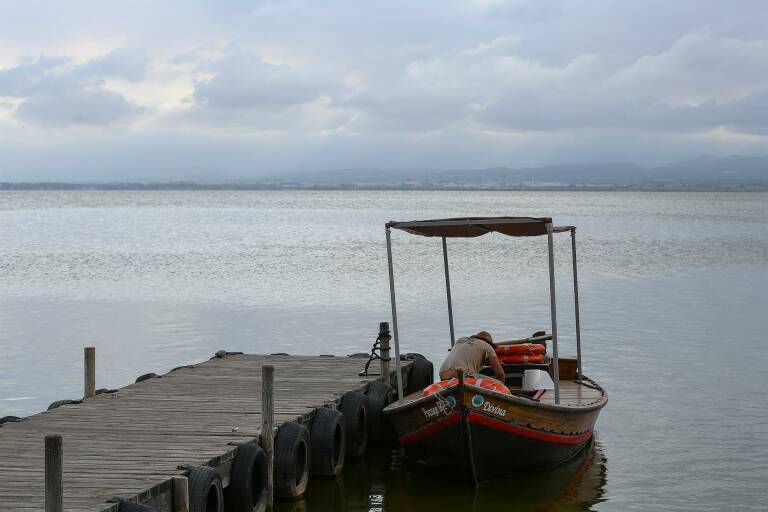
{"type": "Point", "coordinates": [673, 286]}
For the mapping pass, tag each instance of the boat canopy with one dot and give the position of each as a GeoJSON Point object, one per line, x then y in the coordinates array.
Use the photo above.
{"type": "Point", "coordinates": [470, 227]}
{"type": "Point", "coordinates": [466, 227]}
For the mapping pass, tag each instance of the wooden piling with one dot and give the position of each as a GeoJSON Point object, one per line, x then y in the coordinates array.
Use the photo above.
{"type": "Point", "coordinates": [180, 494]}
{"type": "Point", "coordinates": [384, 338]}
{"type": "Point", "coordinates": [54, 491]}
{"type": "Point", "coordinates": [267, 435]}
{"type": "Point", "coordinates": [89, 365]}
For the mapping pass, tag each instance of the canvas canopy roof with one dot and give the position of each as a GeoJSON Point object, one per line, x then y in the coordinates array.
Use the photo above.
{"type": "Point", "coordinates": [478, 226]}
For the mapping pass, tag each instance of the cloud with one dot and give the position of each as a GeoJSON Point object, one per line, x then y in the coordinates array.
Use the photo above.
{"type": "Point", "coordinates": [243, 80]}
{"type": "Point", "coordinates": [122, 63]}
{"type": "Point", "coordinates": [75, 107]}
{"type": "Point", "coordinates": [388, 82]}
{"type": "Point", "coordinates": [56, 92]}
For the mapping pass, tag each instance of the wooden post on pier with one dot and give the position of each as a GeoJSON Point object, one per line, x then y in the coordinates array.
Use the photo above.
{"type": "Point", "coordinates": [180, 494]}
{"type": "Point", "coordinates": [89, 365]}
{"type": "Point", "coordinates": [54, 491]}
{"type": "Point", "coordinates": [267, 435]}
{"type": "Point", "coordinates": [384, 338]}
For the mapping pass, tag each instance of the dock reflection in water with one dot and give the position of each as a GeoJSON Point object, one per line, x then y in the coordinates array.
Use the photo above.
{"type": "Point", "coordinates": [381, 481]}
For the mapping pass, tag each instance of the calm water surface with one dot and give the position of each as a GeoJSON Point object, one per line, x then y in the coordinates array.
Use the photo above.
{"type": "Point", "coordinates": [674, 292]}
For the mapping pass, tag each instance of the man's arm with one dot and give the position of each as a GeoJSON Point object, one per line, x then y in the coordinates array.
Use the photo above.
{"type": "Point", "coordinates": [496, 366]}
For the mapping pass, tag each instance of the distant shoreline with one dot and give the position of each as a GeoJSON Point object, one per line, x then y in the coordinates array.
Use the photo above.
{"type": "Point", "coordinates": [137, 186]}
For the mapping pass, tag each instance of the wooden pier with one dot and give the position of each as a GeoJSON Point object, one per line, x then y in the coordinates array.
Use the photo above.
{"type": "Point", "coordinates": [130, 444]}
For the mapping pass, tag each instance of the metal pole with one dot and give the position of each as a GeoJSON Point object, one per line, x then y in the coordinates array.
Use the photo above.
{"type": "Point", "coordinates": [576, 304]}
{"type": "Point", "coordinates": [448, 291]}
{"type": "Point", "coordinates": [553, 313]}
{"type": "Point", "coordinates": [394, 317]}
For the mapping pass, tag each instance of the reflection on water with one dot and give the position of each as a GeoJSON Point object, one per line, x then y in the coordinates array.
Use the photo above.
{"type": "Point", "coordinates": [382, 481]}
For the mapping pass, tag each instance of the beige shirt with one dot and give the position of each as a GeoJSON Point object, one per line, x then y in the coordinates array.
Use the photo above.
{"type": "Point", "coordinates": [468, 354]}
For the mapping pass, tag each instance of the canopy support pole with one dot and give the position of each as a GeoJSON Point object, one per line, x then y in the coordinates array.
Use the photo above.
{"type": "Point", "coordinates": [553, 313]}
{"type": "Point", "coordinates": [576, 304]}
{"type": "Point", "coordinates": [398, 369]}
{"type": "Point", "coordinates": [448, 291]}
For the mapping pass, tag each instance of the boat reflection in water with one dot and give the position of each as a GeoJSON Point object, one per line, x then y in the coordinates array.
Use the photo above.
{"type": "Point", "coordinates": [380, 481]}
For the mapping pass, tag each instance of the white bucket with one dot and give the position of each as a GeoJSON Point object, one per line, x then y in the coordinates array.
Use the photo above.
{"type": "Point", "coordinates": [537, 379]}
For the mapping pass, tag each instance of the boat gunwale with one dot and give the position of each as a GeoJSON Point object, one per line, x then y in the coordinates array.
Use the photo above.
{"type": "Point", "coordinates": [396, 406]}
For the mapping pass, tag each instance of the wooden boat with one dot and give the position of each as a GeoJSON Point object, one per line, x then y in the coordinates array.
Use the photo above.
{"type": "Point", "coordinates": [488, 433]}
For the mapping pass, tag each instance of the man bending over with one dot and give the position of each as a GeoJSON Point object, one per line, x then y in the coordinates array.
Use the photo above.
{"type": "Point", "coordinates": [469, 354]}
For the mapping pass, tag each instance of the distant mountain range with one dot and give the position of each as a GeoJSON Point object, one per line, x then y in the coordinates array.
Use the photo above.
{"type": "Point", "coordinates": [700, 173]}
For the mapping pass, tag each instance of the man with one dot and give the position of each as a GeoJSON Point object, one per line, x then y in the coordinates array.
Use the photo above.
{"type": "Point", "coordinates": [469, 353]}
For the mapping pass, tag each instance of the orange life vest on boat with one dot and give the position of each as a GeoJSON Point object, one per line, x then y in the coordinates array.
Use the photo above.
{"type": "Point", "coordinates": [527, 349]}
{"type": "Point", "coordinates": [522, 359]}
{"type": "Point", "coordinates": [491, 384]}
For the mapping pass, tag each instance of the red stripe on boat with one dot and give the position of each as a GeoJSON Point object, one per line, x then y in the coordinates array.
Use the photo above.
{"type": "Point", "coordinates": [539, 435]}
{"type": "Point", "coordinates": [442, 424]}
{"type": "Point", "coordinates": [479, 419]}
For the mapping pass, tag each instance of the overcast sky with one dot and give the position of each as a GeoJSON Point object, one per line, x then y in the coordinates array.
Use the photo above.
{"type": "Point", "coordinates": [189, 88]}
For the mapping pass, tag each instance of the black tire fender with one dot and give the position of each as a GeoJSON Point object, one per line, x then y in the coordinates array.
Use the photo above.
{"type": "Point", "coordinates": [293, 456]}
{"type": "Point", "coordinates": [422, 375]}
{"type": "Point", "coordinates": [247, 491]}
{"type": "Point", "coordinates": [146, 376]}
{"type": "Point", "coordinates": [328, 439]}
{"type": "Point", "coordinates": [354, 407]}
{"type": "Point", "coordinates": [379, 396]}
{"type": "Point", "coordinates": [205, 490]}
{"type": "Point", "coordinates": [59, 403]}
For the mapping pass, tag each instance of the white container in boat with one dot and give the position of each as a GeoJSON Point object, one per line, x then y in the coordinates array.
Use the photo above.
{"type": "Point", "coordinates": [537, 379]}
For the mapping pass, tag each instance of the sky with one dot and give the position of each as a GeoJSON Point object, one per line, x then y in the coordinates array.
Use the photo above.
{"type": "Point", "coordinates": [185, 89]}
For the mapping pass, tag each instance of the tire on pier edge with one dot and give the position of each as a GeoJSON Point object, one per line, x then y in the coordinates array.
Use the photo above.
{"type": "Point", "coordinates": [354, 407]}
{"type": "Point", "coordinates": [422, 374]}
{"type": "Point", "coordinates": [247, 491]}
{"type": "Point", "coordinates": [379, 396]}
{"type": "Point", "coordinates": [205, 490]}
{"type": "Point", "coordinates": [328, 439]}
{"type": "Point", "coordinates": [59, 403]}
{"type": "Point", "coordinates": [293, 457]}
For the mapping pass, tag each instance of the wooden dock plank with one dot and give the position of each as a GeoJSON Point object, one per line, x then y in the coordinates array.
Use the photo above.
{"type": "Point", "coordinates": [131, 443]}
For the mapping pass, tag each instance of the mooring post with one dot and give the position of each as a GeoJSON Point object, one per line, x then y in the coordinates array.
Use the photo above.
{"type": "Point", "coordinates": [384, 337]}
{"type": "Point", "coordinates": [267, 436]}
{"type": "Point", "coordinates": [89, 365]}
{"type": "Point", "coordinates": [180, 494]}
{"type": "Point", "coordinates": [54, 491]}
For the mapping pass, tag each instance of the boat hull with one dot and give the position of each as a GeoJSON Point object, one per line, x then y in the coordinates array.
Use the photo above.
{"type": "Point", "coordinates": [488, 433]}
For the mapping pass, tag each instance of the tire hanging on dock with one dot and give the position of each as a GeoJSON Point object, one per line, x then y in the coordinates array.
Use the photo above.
{"type": "Point", "coordinates": [247, 491]}
{"type": "Point", "coordinates": [422, 374]}
{"type": "Point", "coordinates": [354, 407]}
{"type": "Point", "coordinates": [205, 490]}
{"type": "Point", "coordinates": [328, 439]}
{"type": "Point", "coordinates": [379, 396]}
{"type": "Point", "coordinates": [292, 460]}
